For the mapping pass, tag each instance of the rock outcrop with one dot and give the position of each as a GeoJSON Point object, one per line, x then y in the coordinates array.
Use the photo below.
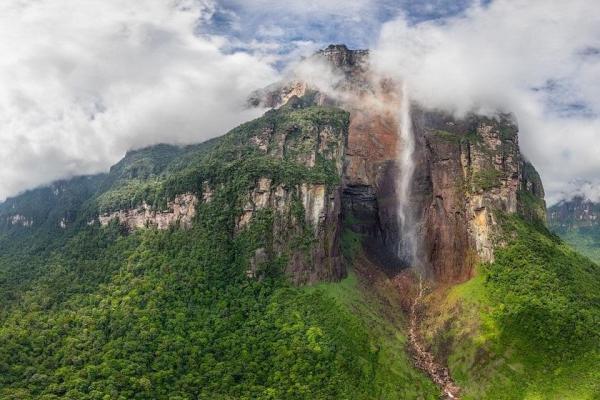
{"type": "Point", "coordinates": [466, 170]}
{"type": "Point", "coordinates": [308, 210]}
{"type": "Point", "coordinates": [180, 211]}
{"type": "Point", "coordinates": [20, 220]}
{"type": "Point", "coordinates": [319, 224]}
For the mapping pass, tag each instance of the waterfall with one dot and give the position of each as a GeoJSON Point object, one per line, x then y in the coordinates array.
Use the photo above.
{"type": "Point", "coordinates": [407, 247]}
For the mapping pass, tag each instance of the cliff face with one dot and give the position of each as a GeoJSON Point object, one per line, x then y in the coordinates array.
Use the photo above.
{"type": "Point", "coordinates": [307, 165]}
{"type": "Point", "coordinates": [319, 222]}
{"type": "Point", "coordinates": [466, 170]}
{"type": "Point", "coordinates": [277, 180]}
{"type": "Point", "coordinates": [180, 211]}
{"type": "Point", "coordinates": [309, 209]}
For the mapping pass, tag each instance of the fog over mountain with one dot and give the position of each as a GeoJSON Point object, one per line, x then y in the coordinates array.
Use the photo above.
{"type": "Point", "coordinates": [588, 190]}
{"type": "Point", "coordinates": [259, 199]}
{"type": "Point", "coordinates": [83, 83]}
{"type": "Point", "coordinates": [538, 60]}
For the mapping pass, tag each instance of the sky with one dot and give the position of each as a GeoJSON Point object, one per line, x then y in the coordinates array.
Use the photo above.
{"type": "Point", "coordinates": [83, 82]}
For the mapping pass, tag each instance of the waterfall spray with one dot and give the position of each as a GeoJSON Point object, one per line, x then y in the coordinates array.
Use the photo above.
{"type": "Point", "coordinates": [407, 248]}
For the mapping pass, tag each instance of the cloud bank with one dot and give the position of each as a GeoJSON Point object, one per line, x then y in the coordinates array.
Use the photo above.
{"type": "Point", "coordinates": [539, 60]}
{"type": "Point", "coordinates": [589, 190]}
{"type": "Point", "coordinates": [83, 82]}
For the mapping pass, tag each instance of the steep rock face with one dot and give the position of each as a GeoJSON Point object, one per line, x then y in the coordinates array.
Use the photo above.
{"type": "Point", "coordinates": [466, 170]}
{"type": "Point", "coordinates": [531, 204]}
{"type": "Point", "coordinates": [370, 170]}
{"type": "Point", "coordinates": [20, 220]}
{"type": "Point", "coordinates": [370, 176]}
{"type": "Point", "coordinates": [322, 208]}
{"type": "Point", "coordinates": [309, 209]}
{"type": "Point", "coordinates": [321, 213]}
{"type": "Point", "coordinates": [180, 211]}
{"type": "Point", "coordinates": [352, 64]}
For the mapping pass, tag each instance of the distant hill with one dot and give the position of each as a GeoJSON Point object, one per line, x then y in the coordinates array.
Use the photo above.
{"type": "Point", "coordinates": [577, 221]}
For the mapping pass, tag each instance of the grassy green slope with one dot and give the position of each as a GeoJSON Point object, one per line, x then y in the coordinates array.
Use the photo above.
{"type": "Point", "coordinates": [527, 326]}
{"type": "Point", "coordinates": [103, 313]}
{"type": "Point", "coordinates": [585, 240]}
{"type": "Point", "coordinates": [377, 313]}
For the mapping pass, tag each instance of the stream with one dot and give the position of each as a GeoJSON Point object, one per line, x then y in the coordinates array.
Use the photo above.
{"type": "Point", "coordinates": [408, 246]}
{"type": "Point", "coordinates": [423, 359]}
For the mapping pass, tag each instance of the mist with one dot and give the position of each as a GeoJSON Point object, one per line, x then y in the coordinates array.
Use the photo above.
{"type": "Point", "coordinates": [538, 60]}
{"type": "Point", "coordinates": [80, 84]}
{"type": "Point", "coordinates": [83, 82]}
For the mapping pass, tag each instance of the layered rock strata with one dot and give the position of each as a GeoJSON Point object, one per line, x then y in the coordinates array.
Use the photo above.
{"type": "Point", "coordinates": [180, 211]}
{"type": "Point", "coordinates": [467, 169]}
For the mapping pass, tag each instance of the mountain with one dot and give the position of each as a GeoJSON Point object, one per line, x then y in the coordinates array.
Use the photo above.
{"type": "Point", "coordinates": [464, 169]}
{"type": "Point", "coordinates": [577, 221]}
{"type": "Point", "coordinates": [349, 243]}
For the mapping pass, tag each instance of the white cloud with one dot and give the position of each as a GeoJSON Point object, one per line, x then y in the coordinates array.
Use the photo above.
{"type": "Point", "coordinates": [82, 82]}
{"type": "Point", "coordinates": [589, 190]}
{"type": "Point", "coordinates": [538, 59]}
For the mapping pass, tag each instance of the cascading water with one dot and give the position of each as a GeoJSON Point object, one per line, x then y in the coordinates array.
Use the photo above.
{"type": "Point", "coordinates": [408, 250]}
{"type": "Point", "coordinates": [407, 246]}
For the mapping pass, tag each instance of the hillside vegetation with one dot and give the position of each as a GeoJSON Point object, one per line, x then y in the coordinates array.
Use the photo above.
{"type": "Point", "coordinates": [527, 326]}
{"type": "Point", "coordinates": [585, 239]}
{"type": "Point", "coordinates": [92, 311]}
{"type": "Point", "coordinates": [102, 312]}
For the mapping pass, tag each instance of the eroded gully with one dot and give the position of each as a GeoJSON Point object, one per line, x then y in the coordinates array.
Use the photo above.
{"type": "Point", "coordinates": [422, 358]}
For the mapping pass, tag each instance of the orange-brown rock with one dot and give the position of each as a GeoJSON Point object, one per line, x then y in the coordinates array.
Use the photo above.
{"type": "Point", "coordinates": [466, 170]}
